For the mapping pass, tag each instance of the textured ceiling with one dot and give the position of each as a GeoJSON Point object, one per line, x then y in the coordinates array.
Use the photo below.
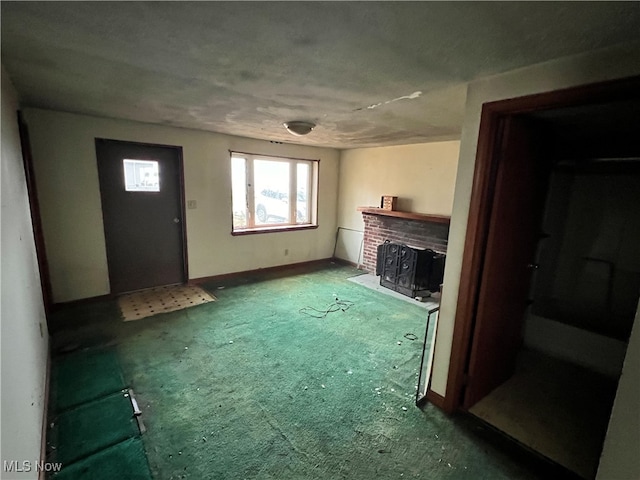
{"type": "Point", "coordinates": [369, 74]}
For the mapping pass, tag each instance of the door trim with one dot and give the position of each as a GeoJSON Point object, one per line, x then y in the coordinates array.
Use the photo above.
{"type": "Point", "coordinates": [183, 203]}
{"type": "Point", "coordinates": [36, 218]}
{"type": "Point", "coordinates": [484, 183]}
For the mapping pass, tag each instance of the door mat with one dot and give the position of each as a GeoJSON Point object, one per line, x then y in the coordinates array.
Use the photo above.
{"type": "Point", "coordinates": [147, 303]}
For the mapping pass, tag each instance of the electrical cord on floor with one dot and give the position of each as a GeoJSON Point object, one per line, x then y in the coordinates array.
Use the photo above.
{"type": "Point", "coordinates": [334, 307]}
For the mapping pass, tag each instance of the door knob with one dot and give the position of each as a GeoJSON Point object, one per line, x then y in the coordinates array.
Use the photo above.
{"type": "Point", "coordinates": [176, 220]}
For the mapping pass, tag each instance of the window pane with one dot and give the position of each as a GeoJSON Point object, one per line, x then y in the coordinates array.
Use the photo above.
{"type": "Point", "coordinates": [271, 192]}
{"type": "Point", "coordinates": [302, 186]}
{"type": "Point", "coordinates": [141, 175]}
{"type": "Point", "coordinates": [239, 192]}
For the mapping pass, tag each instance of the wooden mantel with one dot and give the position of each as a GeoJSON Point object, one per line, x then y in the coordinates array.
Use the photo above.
{"type": "Point", "coordinates": [422, 217]}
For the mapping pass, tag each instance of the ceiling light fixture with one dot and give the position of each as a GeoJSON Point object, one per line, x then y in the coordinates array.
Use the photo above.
{"type": "Point", "coordinates": [299, 128]}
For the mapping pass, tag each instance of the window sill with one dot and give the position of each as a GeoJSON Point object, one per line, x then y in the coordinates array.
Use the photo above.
{"type": "Point", "coordinates": [278, 228]}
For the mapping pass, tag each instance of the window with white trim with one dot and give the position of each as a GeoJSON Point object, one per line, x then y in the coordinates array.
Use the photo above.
{"type": "Point", "coordinates": [273, 193]}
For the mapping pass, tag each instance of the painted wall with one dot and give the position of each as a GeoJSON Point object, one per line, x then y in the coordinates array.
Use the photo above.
{"type": "Point", "coordinates": [620, 459]}
{"type": "Point", "coordinates": [24, 332]}
{"type": "Point", "coordinates": [67, 176]}
{"type": "Point", "coordinates": [421, 175]}
{"type": "Point", "coordinates": [575, 345]}
{"type": "Point", "coordinates": [575, 297]}
{"type": "Point", "coordinates": [597, 274]}
{"type": "Point", "coordinates": [578, 70]}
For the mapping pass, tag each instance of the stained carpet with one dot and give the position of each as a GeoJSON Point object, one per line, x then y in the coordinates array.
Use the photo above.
{"type": "Point", "coordinates": [125, 460]}
{"type": "Point", "coordinates": [91, 427]}
{"type": "Point", "coordinates": [84, 376]}
{"type": "Point", "coordinates": [92, 432]}
{"type": "Point", "coordinates": [278, 379]}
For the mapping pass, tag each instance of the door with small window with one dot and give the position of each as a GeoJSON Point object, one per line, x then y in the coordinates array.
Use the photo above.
{"type": "Point", "coordinates": [141, 188]}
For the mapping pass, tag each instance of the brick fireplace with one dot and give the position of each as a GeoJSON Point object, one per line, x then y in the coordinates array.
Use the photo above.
{"type": "Point", "coordinates": [415, 229]}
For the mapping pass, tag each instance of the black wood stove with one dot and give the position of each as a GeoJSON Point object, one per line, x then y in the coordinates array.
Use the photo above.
{"type": "Point", "coordinates": [409, 270]}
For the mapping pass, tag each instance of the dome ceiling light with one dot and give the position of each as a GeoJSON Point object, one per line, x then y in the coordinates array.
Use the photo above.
{"type": "Point", "coordinates": [299, 128]}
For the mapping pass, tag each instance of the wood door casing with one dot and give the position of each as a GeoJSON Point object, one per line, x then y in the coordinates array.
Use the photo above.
{"type": "Point", "coordinates": [36, 219]}
{"type": "Point", "coordinates": [484, 179]}
{"type": "Point", "coordinates": [144, 230]}
{"type": "Point", "coordinates": [514, 230]}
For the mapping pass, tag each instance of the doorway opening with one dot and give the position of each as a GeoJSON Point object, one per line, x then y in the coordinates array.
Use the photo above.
{"type": "Point", "coordinates": [552, 269]}
{"type": "Point", "coordinates": [142, 192]}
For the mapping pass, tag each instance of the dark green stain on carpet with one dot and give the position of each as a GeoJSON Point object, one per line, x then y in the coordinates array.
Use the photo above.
{"type": "Point", "coordinates": [250, 387]}
{"type": "Point", "coordinates": [83, 376]}
{"type": "Point", "coordinates": [91, 427]}
{"type": "Point", "coordinates": [125, 460]}
{"type": "Point", "coordinates": [92, 430]}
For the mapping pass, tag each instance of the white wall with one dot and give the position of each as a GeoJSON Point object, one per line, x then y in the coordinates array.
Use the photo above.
{"type": "Point", "coordinates": [421, 175]}
{"type": "Point", "coordinates": [605, 229]}
{"type": "Point", "coordinates": [620, 459]}
{"type": "Point", "coordinates": [24, 331]}
{"type": "Point", "coordinates": [67, 176]}
{"type": "Point", "coordinates": [575, 345]}
{"type": "Point", "coordinates": [582, 225]}
{"type": "Point", "coordinates": [599, 66]}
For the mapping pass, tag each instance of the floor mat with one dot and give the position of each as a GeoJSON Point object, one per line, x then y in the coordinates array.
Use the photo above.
{"type": "Point", "coordinates": [84, 430]}
{"type": "Point", "coordinates": [127, 460]}
{"type": "Point", "coordinates": [84, 376]}
{"type": "Point", "coordinates": [146, 303]}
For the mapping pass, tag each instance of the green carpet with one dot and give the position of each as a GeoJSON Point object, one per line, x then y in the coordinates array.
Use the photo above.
{"type": "Point", "coordinates": [84, 376]}
{"type": "Point", "coordinates": [125, 460]}
{"type": "Point", "coordinates": [254, 386]}
{"type": "Point", "coordinates": [90, 427]}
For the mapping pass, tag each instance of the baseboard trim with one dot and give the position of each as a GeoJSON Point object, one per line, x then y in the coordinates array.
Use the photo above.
{"type": "Point", "coordinates": [261, 271]}
{"type": "Point", "coordinates": [346, 262]}
{"type": "Point", "coordinates": [82, 301]}
{"type": "Point", "coordinates": [215, 278]}
{"type": "Point", "coordinates": [45, 412]}
{"type": "Point", "coordinates": [436, 399]}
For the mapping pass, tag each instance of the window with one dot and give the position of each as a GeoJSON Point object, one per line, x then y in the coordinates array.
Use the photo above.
{"type": "Point", "coordinates": [141, 175]}
{"type": "Point", "coordinates": [272, 193]}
